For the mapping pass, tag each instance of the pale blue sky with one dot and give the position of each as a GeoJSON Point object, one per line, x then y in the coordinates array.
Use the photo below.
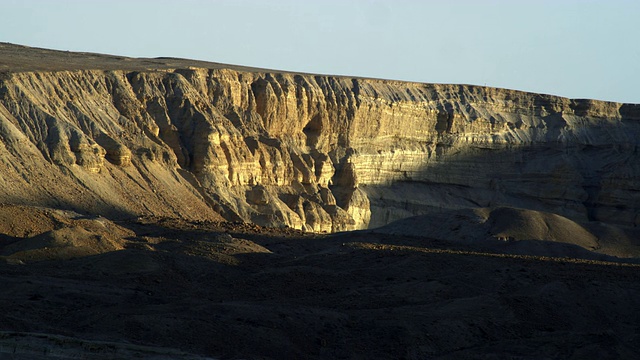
{"type": "Point", "coordinates": [577, 49]}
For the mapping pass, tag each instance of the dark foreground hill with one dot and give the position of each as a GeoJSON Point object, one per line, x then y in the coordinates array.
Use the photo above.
{"type": "Point", "coordinates": [86, 287]}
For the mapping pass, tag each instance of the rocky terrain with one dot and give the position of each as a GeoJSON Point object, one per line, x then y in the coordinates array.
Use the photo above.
{"type": "Point", "coordinates": [169, 208]}
{"type": "Point", "coordinates": [167, 137]}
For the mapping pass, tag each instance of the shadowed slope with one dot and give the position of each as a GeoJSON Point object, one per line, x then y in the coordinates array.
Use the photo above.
{"type": "Point", "coordinates": [226, 290]}
{"type": "Point", "coordinates": [520, 231]}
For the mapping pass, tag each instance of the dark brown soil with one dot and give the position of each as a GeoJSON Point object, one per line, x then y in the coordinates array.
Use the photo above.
{"type": "Point", "coordinates": [229, 290]}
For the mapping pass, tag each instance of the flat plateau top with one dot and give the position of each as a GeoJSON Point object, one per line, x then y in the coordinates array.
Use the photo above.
{"type": "Point", "coordinates": [18, 58]}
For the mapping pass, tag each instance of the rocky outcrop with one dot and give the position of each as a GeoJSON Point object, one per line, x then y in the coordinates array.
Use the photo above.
{"type": "Point", "coordinates": [318, 153]}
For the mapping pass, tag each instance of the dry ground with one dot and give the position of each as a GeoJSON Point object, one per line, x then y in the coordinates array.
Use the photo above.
{"type": "Point", "coordinates": [164, 288]}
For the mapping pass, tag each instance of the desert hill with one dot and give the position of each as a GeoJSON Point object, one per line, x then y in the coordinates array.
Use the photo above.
{"type": "Point", "coordinates": [171, 208]}
{"type": "Point", "coordinates": [126, 137]}
{"type": "Point", "coordinates": [520, 231]}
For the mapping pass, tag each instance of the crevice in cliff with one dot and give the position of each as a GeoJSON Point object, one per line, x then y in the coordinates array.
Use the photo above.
{"type": "Point", "coordinates": [356, 91]}
{"type": "Point", "coordinates": [230, 162]}
{"type": "Point", "coordinates": [313, 131]}
{"type": "Point", "coordinates": [444, 119]}
{"type": "Point", "coordinates": [263, 94]}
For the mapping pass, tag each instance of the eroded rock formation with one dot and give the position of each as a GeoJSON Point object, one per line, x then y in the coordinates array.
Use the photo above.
{"type": "Point", "coordinates": [313, 152]}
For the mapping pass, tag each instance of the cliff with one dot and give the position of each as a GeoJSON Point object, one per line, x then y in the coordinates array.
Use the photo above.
{"type": "Point", "coordinates": [204, 141]}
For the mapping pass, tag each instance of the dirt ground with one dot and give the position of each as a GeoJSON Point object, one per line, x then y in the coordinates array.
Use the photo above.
{"type": "Point", "coordinates": [169, 289]}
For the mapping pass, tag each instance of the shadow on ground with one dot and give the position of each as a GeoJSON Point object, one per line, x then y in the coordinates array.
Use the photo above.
{"type": "Point", "coordinates": [226, 290]}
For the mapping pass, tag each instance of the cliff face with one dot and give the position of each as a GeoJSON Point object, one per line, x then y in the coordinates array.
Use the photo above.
{"type": "Point", "coordinates": [318, 153]}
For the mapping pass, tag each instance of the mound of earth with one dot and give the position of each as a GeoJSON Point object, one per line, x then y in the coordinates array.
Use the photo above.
{"type": "Point", "coordinates": [521, 231]}
{"type": "Point", "coordinates": [25, 221]}
{"type": "Point", "coordinates": [30, 234]}
{"type": "Point", "coordinates": [35, 234]}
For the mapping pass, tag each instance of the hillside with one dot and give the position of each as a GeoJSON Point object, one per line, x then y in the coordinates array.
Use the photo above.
{"type": "Point", "coordinates": [169, 137]}
{"type": "Point", "coordinates": [170, 208]}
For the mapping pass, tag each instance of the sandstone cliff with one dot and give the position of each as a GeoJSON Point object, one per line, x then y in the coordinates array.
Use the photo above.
{"type": "Point", "coordinates": [169, 137]}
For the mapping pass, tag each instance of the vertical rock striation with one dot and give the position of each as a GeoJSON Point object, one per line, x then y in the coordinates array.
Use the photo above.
{"type": "Point", "coordinates": [318, 153]}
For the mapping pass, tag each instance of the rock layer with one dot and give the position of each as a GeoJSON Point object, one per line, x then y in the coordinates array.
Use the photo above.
{"type": "Point", "coordinates": [319, 153]}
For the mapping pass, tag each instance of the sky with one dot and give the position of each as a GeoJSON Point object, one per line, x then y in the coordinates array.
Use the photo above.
{"type": "Point", "coordinates": [570, 48]}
